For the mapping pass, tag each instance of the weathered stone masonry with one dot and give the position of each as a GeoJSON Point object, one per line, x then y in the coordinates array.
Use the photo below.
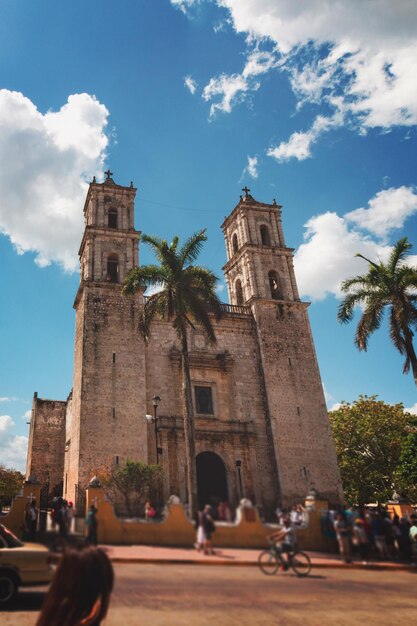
{"type": "Point", "coordinates": [261, 422]}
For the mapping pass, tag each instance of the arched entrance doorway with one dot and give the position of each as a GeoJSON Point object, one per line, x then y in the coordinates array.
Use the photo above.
{"type": "Point", "coordinates": [211, 479]}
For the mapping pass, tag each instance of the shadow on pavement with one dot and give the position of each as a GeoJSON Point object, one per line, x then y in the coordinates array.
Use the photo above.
{"type": "Point", "coordinates": [27, 601]}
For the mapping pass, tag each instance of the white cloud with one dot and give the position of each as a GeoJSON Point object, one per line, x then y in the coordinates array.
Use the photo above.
{"type": "Point", "coordinates": [331, 242]}
{"type": "Point", "coordinates": [327, 396]}
{"type": "Point", "coordinates": [220, 287]}
{"type": "Point", "coordinates": [6, 423]}
{"type": "Point", "coordinates": [335, 406]}
{"type": "Point", "coordinates": [411, 409]}
{"type": "Point", "coordinates": [252, 167]}
{"type": "Point", "coordinates": [299, 144]}
{"type": "Point", "coordinates": [44, 163]}
{"type": "Point", "coordinates": [328, 255]}
{"type": "Point", "coordinates": [13, 452]}
{"type": "Point", "coordinates": [357, 58]}
{"type": "Point", "coordinates": [13, 447]}
{"type": "Point", "coordinates": [230, 89]}
{"type": "Point", "coordinates": [191, 84]}
{"type": "Point", "coordinates": [7, 399]}
{"type": "Point", "coordinates": [387, 210]}
{"type": "Point", "coordinates": [27, 415]}
{"type": "Point", "coordinates": [185, 5]}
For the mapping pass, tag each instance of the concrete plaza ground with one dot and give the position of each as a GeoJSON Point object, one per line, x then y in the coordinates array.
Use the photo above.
{"type": "Point", "coordinates": [170, 586]}
{"type": "Point", "coordinates": [184, 595]}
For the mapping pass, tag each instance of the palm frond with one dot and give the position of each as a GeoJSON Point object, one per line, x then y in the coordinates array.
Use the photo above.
{"type": "Point", "coordinates": [398, 253]}
{"type": "Point", "coordinates": [144, 276]}
{"type": "Point", "coordinates": [360, 281]}
{"type": "Point", "coordinates": [152, 308]}
{"type": "Point", "coordinates": [191, 249]}
{"type": "Point", "coordinates": [198, 310]}
{"type": "Point", "coordinates": [368, 324]}
{"type": "Point", "coordinates": [347, 306]}
{"type": "Point", "coordinates": [395, 332]}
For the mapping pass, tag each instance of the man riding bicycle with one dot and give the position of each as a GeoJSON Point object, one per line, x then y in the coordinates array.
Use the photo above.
{"type": "Point", "coordinates": [284, 540]}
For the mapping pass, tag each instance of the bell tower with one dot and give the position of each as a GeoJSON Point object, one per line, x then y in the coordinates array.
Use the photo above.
{"type": "Point", "coordinates": [260, 274]}
{"type": "Point", "coordinates": [259, 265]}
{"type": "Point", "coordinates": [105, 416]}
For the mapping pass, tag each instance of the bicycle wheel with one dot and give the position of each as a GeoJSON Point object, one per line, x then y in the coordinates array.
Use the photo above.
{"type": "Point", "coordinates": [300, 563]}
{"type": "Point", "coordinates": [268, 562]}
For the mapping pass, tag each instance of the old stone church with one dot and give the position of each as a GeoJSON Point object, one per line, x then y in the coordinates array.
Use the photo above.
{"type": "Point", "coordinates": [262, 430]}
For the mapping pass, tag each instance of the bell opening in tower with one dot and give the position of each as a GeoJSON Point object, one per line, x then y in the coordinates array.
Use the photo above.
{"type": "Point", "coordinates": [113, 269]}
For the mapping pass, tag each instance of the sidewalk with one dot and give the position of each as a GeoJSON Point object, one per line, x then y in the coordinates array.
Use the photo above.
{"type": "Point", "coordinates": [232, 557]}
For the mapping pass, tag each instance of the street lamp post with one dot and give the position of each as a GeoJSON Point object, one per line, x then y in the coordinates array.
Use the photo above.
{"type": "Point", "coordinates": [153, 419]}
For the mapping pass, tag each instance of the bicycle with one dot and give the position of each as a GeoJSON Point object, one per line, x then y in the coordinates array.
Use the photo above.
{"type": "Point", "coordinates": [270, 560]}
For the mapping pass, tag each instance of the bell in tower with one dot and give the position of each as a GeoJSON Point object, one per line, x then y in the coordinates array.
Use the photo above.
{"type": "Point", "coordinates": [259, 265]}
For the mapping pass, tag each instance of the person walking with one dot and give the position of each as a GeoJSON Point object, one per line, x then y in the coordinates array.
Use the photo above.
{"type": "Point", "coordinates": [201, 538]}
{"type": "Point", "coordinates": [92, 526]}
{"type": "Point", "coordinates": [209, 528]}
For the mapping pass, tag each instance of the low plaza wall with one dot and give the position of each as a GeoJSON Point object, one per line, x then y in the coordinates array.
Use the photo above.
{"type": "Point", "coordinates": [14, 519]}
{"type": "Point", "coordinates": [177, 530]}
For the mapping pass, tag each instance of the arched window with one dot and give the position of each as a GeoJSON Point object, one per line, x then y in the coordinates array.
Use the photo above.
{"type": "Point", "coordinates": [113, 268]}
{"type": "Point", "coordinates": [112, 223]}
{"type": "Point", "coordinates": [265, 239]}
{"type": "Point", "coordinates": [239, 292]}
{"type": "Point", "coordinates": [235, 243]}
{"type": "Point", "coordinates": [274, 285]}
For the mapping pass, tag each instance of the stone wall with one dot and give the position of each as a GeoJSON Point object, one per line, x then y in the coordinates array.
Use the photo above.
{"type": "Point", "coordinates": [301, 431]}
{"type": "Point", "coordinates": [108, 422]}
{"type": "Point", "coordinates": [236, 431]}
{"type": "Point", "coordinates": [45, 460]}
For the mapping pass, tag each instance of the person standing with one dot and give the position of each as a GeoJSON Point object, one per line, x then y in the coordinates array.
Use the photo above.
{"type": "Point", "coordinates": [62, 520]}
{"type": "Point", "coordinates": [209, 528]}
{"type": "Point", "coordinates": [343, 536]}
{"type": "Point", "coordinates": [150, 512]}
{"type": "Point", "coordinates": [360, 539]}
{"type": "Point", "coordinates": [92, 525]}
{"type": "Point", "coordinates": [413, 538]}
{"type": "Point", "coordinates": [30, 521]}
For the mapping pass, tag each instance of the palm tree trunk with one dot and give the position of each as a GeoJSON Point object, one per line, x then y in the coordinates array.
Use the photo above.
{"type": "Point", "coordinates": [410, 351]}
{"type": "Point", "coordinates": [189, 430]}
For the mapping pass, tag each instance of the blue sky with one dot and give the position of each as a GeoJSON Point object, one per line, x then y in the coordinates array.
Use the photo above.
{"type": "Point", "coordinates": [314, 104]}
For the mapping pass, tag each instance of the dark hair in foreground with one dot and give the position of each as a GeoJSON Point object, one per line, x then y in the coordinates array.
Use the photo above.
{"type": "Point", "coordinates": [80, 590]}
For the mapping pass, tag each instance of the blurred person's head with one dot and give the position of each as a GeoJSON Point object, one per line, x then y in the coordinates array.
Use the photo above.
{"type": "Point", "coordinates": [79, 594]}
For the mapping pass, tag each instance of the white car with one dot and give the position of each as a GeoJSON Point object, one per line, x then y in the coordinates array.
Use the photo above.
{"type": "Point", "coordinates": [21, 564]}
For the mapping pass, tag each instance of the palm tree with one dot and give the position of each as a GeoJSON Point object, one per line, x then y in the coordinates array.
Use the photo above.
{"type": "Point", "coordinates": [185, 297]}
{"type": "Point", "coordinates": [391, 285]}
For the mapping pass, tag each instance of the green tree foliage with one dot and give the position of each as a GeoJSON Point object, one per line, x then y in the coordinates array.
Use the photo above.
{"type": "Point", "coordinates": [375, 448]}
{"type": "Point", "coordinates": [128, 485]}
{"type": "Point", "coordinates": [11, 482]}
{"type": "Point", "coordinates": [186, 296]}
{"type": "Point", "coordinates": [387, 286]}
{"type": "Point", "coordinates": [407, 471]}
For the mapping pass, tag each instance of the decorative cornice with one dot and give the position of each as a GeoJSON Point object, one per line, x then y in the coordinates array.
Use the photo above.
{"type": "Point", "coordinates": [220, 361]}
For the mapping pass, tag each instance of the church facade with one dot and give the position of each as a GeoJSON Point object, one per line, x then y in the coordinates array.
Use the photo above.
{"type": "Point", "coordinates": [262, 430]}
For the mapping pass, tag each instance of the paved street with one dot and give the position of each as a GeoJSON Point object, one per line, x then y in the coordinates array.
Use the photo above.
{"type": "Point", "coordinates": [164, 595]}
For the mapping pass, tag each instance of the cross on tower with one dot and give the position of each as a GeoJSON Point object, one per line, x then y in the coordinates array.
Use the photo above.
{"type": "Point", "coordinates": [246, 190]}
{"type": "Point", "coordinates": [108, 174]}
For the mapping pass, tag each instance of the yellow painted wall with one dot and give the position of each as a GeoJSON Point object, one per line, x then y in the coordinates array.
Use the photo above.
{"type": "Point", "coordinates": [177, 530]}
{"type": "Point", "coordinates": [14, 519]}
